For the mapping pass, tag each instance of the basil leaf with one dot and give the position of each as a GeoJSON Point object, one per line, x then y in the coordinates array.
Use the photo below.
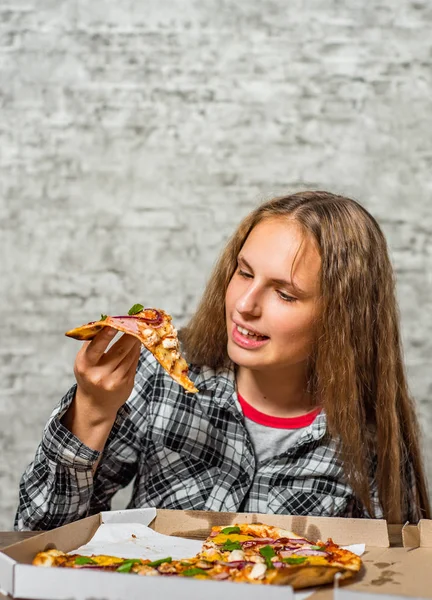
{"type": "Point", "coordinates": [136, 308]}
{"type": "Point", "coordinates": [84, 560]}
{"type": "Point", "coordinates": [156, 563]}
{"type": "Point", "coordinates": [229, 546]}
{"type": "Point", "coordinates": [103, 317]}
{"type": "Point", "coordinates": [228, 530]}
{"type": "Point", "coordinates": [194, 571]}
{"type": "Point", "coordinates": [127, 565]}
{"type": "Point", "coordinates": [267, 552]}
{"type": "Point", "coordinates": [294, 560]}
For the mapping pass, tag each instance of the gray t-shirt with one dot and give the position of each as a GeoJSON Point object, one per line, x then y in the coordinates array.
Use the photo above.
{"type": "Point", "coordinates": [271, 441]}
{"type": "Point", "coordinates": [271, 436]}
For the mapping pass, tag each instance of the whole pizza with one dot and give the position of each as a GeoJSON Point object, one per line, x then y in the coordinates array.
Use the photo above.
{"type": "Point", "coordinates": [245, 553]}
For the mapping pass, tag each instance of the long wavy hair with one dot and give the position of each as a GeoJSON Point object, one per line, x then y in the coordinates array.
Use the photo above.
{"type": "Point", "coordinates": [357, 371]}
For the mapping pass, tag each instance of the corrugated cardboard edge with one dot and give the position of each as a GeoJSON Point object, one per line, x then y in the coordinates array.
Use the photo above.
{"type": "Point", "coordinates": [417, 536]}
{"type": "Point", "coordinates": [425, 528]}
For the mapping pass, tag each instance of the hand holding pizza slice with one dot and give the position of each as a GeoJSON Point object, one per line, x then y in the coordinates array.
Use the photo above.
{"type": "Point", "coordinates": [153, 328]}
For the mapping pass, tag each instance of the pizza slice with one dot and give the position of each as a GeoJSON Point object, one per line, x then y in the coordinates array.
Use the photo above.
{"type": "Point", "coordinates": [154, 330]}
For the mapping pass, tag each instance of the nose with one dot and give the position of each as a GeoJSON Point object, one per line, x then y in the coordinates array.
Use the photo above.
{"type": "Point", "coordinates": [248, 303]}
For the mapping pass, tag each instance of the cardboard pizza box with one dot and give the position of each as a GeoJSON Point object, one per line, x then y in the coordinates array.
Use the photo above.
{"type": "Point", "coordinates": [396, 572]}
{"type": "Point", "coordinates": [389, 570]}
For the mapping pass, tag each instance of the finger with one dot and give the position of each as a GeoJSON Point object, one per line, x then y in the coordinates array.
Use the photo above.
{"type": "Point", "coordinates": [96, 348]}
{"type": "Point", "coordinates": [120, 350]}
{"type": "Point", "coordinates": [128, 366]}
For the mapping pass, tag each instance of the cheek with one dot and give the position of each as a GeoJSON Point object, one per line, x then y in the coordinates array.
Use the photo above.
{"type": "Point", "coordinates": [299, 328]}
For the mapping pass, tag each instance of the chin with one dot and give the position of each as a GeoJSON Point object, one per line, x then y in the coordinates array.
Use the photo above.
{"type": "Point", "coordinates": [243, 358]}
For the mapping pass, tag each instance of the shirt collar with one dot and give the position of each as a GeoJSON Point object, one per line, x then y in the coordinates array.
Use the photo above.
{"type": "Point", "coordinates": [222, 386]}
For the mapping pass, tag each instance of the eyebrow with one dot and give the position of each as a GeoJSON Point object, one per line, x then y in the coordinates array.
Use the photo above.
{"type": "Point", "coordinates": [282, 282]}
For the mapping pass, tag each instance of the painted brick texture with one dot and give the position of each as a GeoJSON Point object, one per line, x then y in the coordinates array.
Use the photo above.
{"type": "Point", "coordinates": [135, 135]}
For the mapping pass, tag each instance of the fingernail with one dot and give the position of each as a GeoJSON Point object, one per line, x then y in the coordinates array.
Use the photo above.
{"type": "Point", "coordinates": [112, 332]}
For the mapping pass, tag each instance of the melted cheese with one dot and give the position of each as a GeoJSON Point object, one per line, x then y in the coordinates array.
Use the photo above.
{"type": "Point", "coordinates": [221, 538]}
{"type": "Point", "coordinates": [106, 561]}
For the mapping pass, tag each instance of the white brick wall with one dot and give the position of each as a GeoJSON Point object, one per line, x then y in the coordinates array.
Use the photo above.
{"type": "Point", "coordinates": [135, 135]}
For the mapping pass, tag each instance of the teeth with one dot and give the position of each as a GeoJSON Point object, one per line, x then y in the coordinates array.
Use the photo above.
{"type": "Point", "coordinates": [247, 332]}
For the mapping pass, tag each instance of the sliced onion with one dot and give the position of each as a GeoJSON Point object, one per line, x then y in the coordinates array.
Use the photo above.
{"type": "Point", "coordinates": [234, 564]}
{"type": "Point", "coordinates": [220, 576]}
{"type": "Point", "coordinates": [156, 320]}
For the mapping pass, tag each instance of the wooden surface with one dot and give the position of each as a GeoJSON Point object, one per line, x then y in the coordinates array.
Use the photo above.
{"type": "Point", "coordinates": [11, 537]}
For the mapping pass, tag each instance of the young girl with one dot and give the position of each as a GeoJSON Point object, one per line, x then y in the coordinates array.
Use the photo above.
{"type": "Point", "coordinates": [302, 407]}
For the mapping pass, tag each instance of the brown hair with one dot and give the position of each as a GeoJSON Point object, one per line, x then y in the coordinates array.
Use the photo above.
{"type": "Point", "coordinates": [357, 367]}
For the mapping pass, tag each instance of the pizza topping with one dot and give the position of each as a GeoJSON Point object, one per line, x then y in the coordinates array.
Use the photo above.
{"type": "Point", "coordinates": [167, 568]}
{"type": "Point", "coordinates": [194, 571]}
{"type": "Point", "coordinates": [236, 555]}
{"type": "Point", "coordinates": [221, 576]}
{"type": "Point", "coordinates": [268, 553]}
{"type": "Point", "coordinates": [84, 560]}
{"type": "Point", "coordinates": [234, 564]}
{"type": "Point", "coordinates": [160, 561]}
{"type": "Point", "coordinates": [230, 546]}
{"type": "Point", "coordinates": [145, 570]}
{"type": "Point", "coordinates": [136, 308]}
{"type": "Point", "coordinates": [257, 541]}
{"type": "Point", "coordinates": [127, 565]}
{"type": "Point", "coordinates": [222, 538]}
{"type": "Point", "coordinates": [310, 552]}
{"type": "Point", "coordinates": [229, 530]}
{"type": "Point", "coordinates": [294, 560]}
{"type": "Point", "coordinates": [258, 571]}
{"type": "Point", "coordinates": [169, 342]}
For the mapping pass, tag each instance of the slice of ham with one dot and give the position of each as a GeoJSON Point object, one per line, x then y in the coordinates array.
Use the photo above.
{"type": "Point", "coordinates": [301, 552]}
{"type": "Point", "coordinates": [310, 552]}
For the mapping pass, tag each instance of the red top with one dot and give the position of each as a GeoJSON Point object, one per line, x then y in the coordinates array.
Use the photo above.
{"type": "Point", "coordinates": [278, 422]}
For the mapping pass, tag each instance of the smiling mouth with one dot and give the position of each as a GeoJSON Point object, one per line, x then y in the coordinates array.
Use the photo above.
{"type": "Point", "coordinates": [250, 334]}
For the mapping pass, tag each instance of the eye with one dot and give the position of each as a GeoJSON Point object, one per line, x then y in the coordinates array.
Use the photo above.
{"type": "Point", "coordinates": [286, 297]}
{"type": "Point", "coordinates": [244, 274]}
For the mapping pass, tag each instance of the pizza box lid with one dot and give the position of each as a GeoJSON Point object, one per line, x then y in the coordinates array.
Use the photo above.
{"type": "Point", "coordinates": [22, 580]}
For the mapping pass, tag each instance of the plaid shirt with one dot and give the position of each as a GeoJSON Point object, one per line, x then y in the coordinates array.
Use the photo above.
{"type": "Point", "coordinates": [189, 452]}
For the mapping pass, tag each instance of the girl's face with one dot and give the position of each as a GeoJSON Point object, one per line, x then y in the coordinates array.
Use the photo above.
{"type": "Point", "coordinates": [270, 321]}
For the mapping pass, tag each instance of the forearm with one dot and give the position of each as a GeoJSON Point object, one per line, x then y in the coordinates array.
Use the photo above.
{"type": "Point", "coordinates": [57, 487]}
{"type": "Point", "coordinates": [85, 420]}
